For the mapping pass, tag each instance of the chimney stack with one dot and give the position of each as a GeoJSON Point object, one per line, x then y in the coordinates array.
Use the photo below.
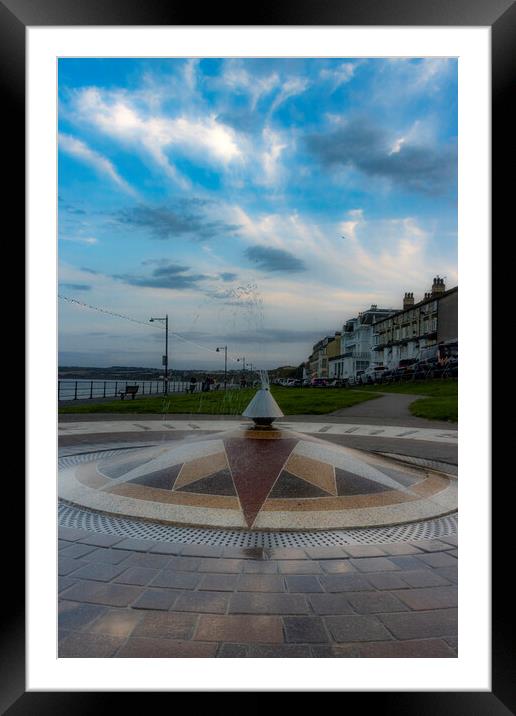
{"type": "Point", "coordinates": [438, 286]}
{"type": "Point", "coordinates": [408, 300]}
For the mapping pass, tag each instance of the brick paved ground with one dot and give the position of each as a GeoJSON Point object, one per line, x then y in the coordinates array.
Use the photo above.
{"type": "Point", "coordinates": [121, 597]}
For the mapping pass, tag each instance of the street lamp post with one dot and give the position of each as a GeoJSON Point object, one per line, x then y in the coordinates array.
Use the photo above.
{"type": "Point", "coordinates": [165, 357]}
{"type": "Point", "coordinates": [243, 368]}
{"type": "Point", "coordinates": [219, 348]}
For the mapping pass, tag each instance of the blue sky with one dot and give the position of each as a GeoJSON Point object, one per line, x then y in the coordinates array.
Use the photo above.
{"type": "Point", "coordinates": [259, 202]}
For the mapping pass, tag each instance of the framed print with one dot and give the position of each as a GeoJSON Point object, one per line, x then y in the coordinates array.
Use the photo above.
{"type": "Point", "coordinates": [208, 185]}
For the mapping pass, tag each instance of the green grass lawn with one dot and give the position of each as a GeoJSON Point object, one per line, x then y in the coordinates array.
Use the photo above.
{"type": "Point", "coordinates": [292, 401]}
{"type": "Point", "coordinates": [440, 401]}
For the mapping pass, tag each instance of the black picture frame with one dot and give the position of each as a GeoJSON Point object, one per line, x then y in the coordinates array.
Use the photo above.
{"type": "Point", "coordinates": [500, 16]}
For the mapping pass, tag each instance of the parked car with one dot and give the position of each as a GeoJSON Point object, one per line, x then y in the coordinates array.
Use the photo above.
{"type": "Point", "coordinates": [319, 382]}
{"type": "Point", "coordinates": [373, 374]}
{"type": "Point", "coordinates": [337, 383]}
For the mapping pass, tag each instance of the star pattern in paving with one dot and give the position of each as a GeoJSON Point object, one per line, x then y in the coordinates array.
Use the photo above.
{"type": "Point", "coordinates": [255, 465]}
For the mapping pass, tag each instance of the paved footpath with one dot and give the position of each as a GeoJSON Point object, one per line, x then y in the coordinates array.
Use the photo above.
{"type": "Point", "coordinates": [121, 597]}
{"type": "Point", "coordinates": [125, 597]}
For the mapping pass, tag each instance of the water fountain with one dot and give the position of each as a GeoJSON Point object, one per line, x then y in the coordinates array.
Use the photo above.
{"type": "Point", "coordinates": [261, 476]}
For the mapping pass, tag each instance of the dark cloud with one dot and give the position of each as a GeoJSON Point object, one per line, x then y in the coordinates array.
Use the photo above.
{"type": "Point", "coordinates": [270, 259]}
{"type": "Point", "coordinates": [360, 144]}
{"type": "Point", "coordinates": [76, 286]}
{"type": "Point", "coordinates": [228, 276]}
{"type": "Point", "coordinates": [171, 276]}
{"type": "Point", "coordinates": [185, 218]}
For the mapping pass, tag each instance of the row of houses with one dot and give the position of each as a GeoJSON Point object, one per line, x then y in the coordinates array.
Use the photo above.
{"type": "Point", "coordinates": [386, 336]}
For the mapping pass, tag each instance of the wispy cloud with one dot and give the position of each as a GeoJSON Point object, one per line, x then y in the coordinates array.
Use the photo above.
{"type": "Point", "coordinates": [80, 150]}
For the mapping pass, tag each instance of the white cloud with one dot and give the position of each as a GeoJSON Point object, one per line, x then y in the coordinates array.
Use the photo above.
{"type": "Point", "coordinates": [290, 88]}
{"type": "Point", "coordinates": [236, 78]}
{"type": "Point", "coordinates": [80, 150]}
{"type": "Point", "coordinates": [339, 75]}
{"type": "Point", "coordinates": [203, 137]}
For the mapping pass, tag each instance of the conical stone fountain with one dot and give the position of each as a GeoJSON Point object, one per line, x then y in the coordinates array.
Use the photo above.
{"type": "Point", "coordinates": [262, 477]}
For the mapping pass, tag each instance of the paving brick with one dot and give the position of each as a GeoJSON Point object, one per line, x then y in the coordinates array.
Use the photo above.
{"type": "Point", "coordinates": [98, 539]}
{"type": "Point", "coordinates": [374, 602]}
{"type": "Point", "coordinates": [448, 573]}
{"type": "Point", "coordinates": [387, 580]}
{"type": "Point", "coordinates": [423, 578]}
{"type": "Point", "coordinates": [115, 622]}
{"type": "Point", "coordinates": [99, 572]}
{"type": "Point", "coordinates": [76, 550]}
{"type": "Point", "coordinates": [420, 625]}
{"type": "Point", "coordinates": [345, 583]}
{"type": "Point", "coordinates": [108, 556]}
{"type": "Point", "coordinates": [137, 575]}
{"type": "Point", "coordinates": [135, 545]}
{"type": "Point", "coordinates": [303, 583]}
{"type": "Point", "coordinates": [305, 630]}
{"type": "Point", "coordinates": [237, 628]}
{"type": "Point", "coordinates": [330, 604]}
{"type": "Point", "coordinates": [184, 564]}
{"type": "Point", "coordinates": [219, 582]}
{"type": "Point", "coordinates": [325, 553]}
{"type": "Point", "coordinates": [278, 651]}
{"type": "Point", "coordinates": [400, 548]}
{"type": "Point", "coordinates": [176, 580]}
{"type": "Point", "coordinates": [150, 561]}
{"type": "Point", "coordinates": [265, 567]}
{"type": "Point", "coordinates": [336, 651]}
{"type": "Point", "coordinates": [255, 553]}
{"type": "Point", "coordinates": [453, 643]}
{"type": "Point", "coordinates": [374, 564]}
{"type": "Point", "coordinates": [405, 561]}
{"type": "Point", "coordinates": [364, 550]}
{"type": "Point", "coordinates": [256, 603]}
{"type": "Point", "coordinates": [209, 602]}
{"type": "Point", "coordinates": [430, 598]}
{"type": "Point", "coordinates": [356, 628]}
{"type": "Point", "coordinates": [432, 545]}
{"type": "Point", "coordinates": [68, 565]}
{"type": "Point", "coordinates": [83, 645]}
{"type": "Point", "coordinates": [165, 625]}
{"type": "Point", "coordinates": [413, 649]}
{"type": "Point", "coordinates": [145, 647]}
{"type": "Point", "coordinates": [167, 548]}
{"type": "Point", "coordinates": [451, 540]}
{"type": "Point", "coordinates": [65, 582]}
{"type": "Point", "coordinates": [73, 616]}
{"type": "Point", "coordinates": [201, 550]}
{"type": "Point", "coordinates": [260, 583]}
{"type": "Point", "coordinates": [285, 553]}
{"type": "Point", "coordinates": [116, 595]}
{"type": "Point", "coordinates": [299, 567]}
{"type": "Point", "coordinates": [338, 566]}
{"type": "Point", "coordinates": [232, 651]}
{"type": "Point", "coordinates": [156, 599]}
{"type": "Point", "coordinates": [438, 559]}
{"type": "Point", "coordinates": [72, 534]}
{"type": "Point", "coordinates": [229, 566]}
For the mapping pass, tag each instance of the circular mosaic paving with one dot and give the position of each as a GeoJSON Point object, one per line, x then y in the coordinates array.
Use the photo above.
{"type": "Point", "coordinates": [260, 479]}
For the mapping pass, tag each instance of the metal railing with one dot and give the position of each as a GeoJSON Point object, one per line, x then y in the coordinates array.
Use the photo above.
{"type": "Point", "coordinates": [69, 389]}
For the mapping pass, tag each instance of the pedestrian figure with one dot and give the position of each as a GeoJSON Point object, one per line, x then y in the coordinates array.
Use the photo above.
{"type": "Point", "coordinates": [193, 383]}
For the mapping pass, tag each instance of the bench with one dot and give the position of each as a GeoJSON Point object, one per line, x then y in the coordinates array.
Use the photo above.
{"type": "Point", "coordinates": [129, 390]}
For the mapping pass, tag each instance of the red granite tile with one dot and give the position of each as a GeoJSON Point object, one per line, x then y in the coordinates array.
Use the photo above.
{"type": "Point", "coordinates": [240, 629]}
{"type": "Point", "coordinates": [255, 466]}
